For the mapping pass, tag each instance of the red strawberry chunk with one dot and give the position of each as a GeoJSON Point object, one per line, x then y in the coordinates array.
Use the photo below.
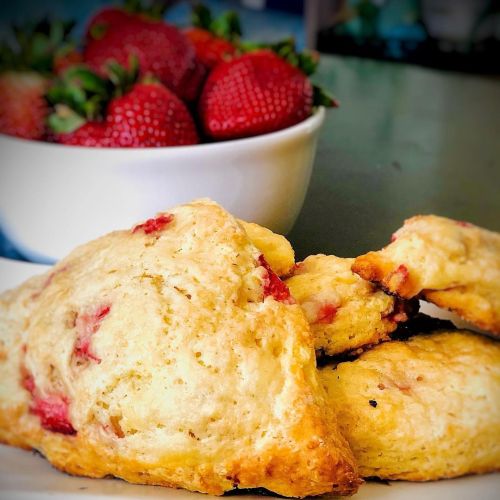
{"type": "Point", "coordinates": [27, 381]}
{"type": "Point", "coordinates": [398, 277]}
{"type": "Point", "coordinates": [398, 315]}
{"type": "Point", "coordinates": [273, 286]}
{"type": "Point", "coordinates": [464, 223]}
{"type": "Point", "coordinates": [326, 314]}
{"type": "Point", "coordinates": [154, 225]}
{"type": "Point", "coordinates": [53, 412]}
{"type": "Point", "coordinates": [87, 324]}
{"type": "Point", "coordinates": [394, 237]}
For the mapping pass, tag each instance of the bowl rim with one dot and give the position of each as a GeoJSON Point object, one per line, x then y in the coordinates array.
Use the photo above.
{"type": "Point", "coordinates": [310, 124]}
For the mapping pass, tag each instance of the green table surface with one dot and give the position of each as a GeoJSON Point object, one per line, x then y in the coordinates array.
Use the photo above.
{"type": "Point", "coordinates": [406, 140]}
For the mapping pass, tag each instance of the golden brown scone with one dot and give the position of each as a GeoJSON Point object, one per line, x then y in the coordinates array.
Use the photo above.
{"type": "Point", "coordinates": [345, 311]}
{"type": "Point", "coordinates": [277, 249]}
{"type": "Point", "coordinates": [421, 409]}
{"type": "Point", "coordinates": [171, 354]}
{"type": "Point", "coordinates": [453, 264]}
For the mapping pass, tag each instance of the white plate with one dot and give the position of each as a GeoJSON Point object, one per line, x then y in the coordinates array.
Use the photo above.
{"type": "Point", "coordinates": [24, 475]}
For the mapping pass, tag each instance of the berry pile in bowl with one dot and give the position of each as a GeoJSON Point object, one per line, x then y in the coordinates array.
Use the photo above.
{"type": "Point", "coordinates": [138, 81]}
{"type": "Point", "coordinates": [102, 117]}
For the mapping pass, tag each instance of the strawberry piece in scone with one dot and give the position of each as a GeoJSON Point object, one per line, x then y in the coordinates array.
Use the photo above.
{"type": "Point", "coordinates": [273, 286]}
{"type": "Point", "coordinates": [53, 412]}
{"type": "Point", "coordinates": [453, 264]}
{"type": "Point", "coordinates": [345, 312]}
{"type": "Point", "coordinates": [154, 225]}
{"type": "Point", "coordinates": [87, 324]}
{"type": "Point", "coordinates": [52, 409]}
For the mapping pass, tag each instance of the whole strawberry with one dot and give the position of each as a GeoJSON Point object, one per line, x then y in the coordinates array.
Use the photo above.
{"type": "Point", "coordinates": [23, 109]}
{"type": "Point", "coordinates": [26, 66]}
{"type": "Point", "coordinates": [256, 93]}
{"type": "Point", "coordinates": [149, 115]}
{"type": "Point", "coordinates": [120, 112]}
{"type": "Point", "coordinates": [162, 50]}
{"type": "Point", "coordinates": [214, 40]}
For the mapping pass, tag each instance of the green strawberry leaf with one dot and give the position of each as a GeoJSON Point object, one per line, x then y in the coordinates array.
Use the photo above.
{"type": "Point", "coordinates": [153, 9]}
{"type": "Point", "coordinates": [123, 78]}
{"type": "Point", "coordinates": [82, 91]}
{"type": "Point", "coordinates": [322, 98]}
{"type": "Point", "coordinates": [306, 61]}
{"type": "Point", "coordinates": [201, 17]}
{"type": "Point", "coordinates": [34, 45]}
{"type": "Point", "coordinates": [64, 120]}
{"type": "Point", "coordinates": [227, 26]}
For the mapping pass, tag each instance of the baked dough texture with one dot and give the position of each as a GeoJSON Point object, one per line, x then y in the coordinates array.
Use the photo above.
{"type": "Point", "coordinates": [422, 409]}
{"type": "Point", "coordinates": [453, 264]}
{"type": "Point", "coordinates": [345, 311]}
{"type": "Point", "coordinates": [277, 249]}
{"type": "Point", "coordinates": [170, 354]}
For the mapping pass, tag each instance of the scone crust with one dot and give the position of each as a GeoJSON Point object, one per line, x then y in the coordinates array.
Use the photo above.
{"type": "Point", "coordinates": [453, 264]}
{"type": "Point", "coordinates": [276, 248]}
{"type": "Point", "coordinates": [192, 378]}
{"type": "Point", "coordinates": [423, 409]}
{"type": "Point", "coordinates": [360, 313]}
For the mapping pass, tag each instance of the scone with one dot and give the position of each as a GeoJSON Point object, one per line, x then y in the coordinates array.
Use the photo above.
{"type": "Point", "coordinates": [171, 354]}
{"type": "Point", "coordinates": [421, 409]}
{"type": "Point", "coordinates": [277, 249]}
{"type": "Point", "coordinates": [345, 311]}
{"type": "Point", "coordinates": [453, 264]}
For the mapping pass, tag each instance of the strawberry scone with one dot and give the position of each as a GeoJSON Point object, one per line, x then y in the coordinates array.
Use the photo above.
{"type": "Point", "coordinates": [421, 409]}
{"type": "Point", "coordinates": [170, 354]}
{"type": "Point", "coordinates": [451, 263]}
{"type": "Point", "coordinates": [345, 311]}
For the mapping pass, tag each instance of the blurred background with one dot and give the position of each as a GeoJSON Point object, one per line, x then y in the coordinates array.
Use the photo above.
{"type": "Point", "coordinates": [461, 35]}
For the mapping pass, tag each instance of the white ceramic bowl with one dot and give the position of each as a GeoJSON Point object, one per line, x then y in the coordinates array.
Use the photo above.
{"type": "Point", "coordinates": [54, 197]}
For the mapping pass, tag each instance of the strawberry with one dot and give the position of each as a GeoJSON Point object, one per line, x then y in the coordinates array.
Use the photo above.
{"type": "Point", "coordinates": [150, 116]}
{"type": "Point", "coordinates": [214, 40]}
{"type": "Point", "coordinates": [254, 94]}
{"type": "Point", "coordinates": [162, 50]}
{"type": "Point", "coordinates": [23, 108]}
{"type": "Point", "coordinates": [91, 111]}
{"type": "Point", "coordinates": [264, 90]}
{"type": "Point", "coordinates": [26, 64]}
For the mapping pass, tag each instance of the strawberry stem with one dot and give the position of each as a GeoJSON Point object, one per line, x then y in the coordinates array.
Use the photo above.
{"type": "Point", "coordinates": [35, 46]}
{"type": "Point", "coordinates": [123, 78]}
{"type": "Point", "coordinates": [226, 26]}
{"type": "Point", "coordinates": [323, 98]}
{"type": "Point", "coordinates": [64, 120]}
{"type": "Point", "coordinates": [80, 95]}
{"type": "Point", "coordinates": [154, 9]}
{"type": "Point", "coordinates": [306, 61]}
